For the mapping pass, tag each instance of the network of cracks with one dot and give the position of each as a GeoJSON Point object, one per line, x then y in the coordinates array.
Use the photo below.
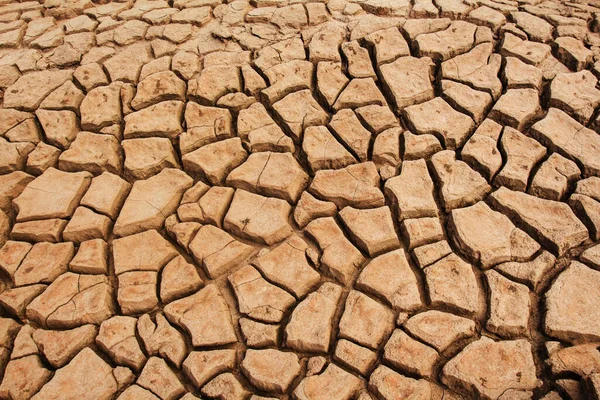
{"type": "Point", "coordinates": [274, 199]}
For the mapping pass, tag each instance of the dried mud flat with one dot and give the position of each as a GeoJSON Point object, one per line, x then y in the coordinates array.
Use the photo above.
{"type": "Point", "coordinates": [275, 199]}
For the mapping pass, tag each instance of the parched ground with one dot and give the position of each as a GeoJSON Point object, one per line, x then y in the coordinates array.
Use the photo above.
{"type": "Point", "coordinates": [280, 199]}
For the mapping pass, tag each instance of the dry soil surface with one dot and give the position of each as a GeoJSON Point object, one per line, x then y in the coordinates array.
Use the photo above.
{"type": "Point", "coordinates": [286, 199]}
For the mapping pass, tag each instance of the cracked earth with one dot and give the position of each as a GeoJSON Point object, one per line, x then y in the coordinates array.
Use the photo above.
{"type": "Point", "coordinates": [285, 199]}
